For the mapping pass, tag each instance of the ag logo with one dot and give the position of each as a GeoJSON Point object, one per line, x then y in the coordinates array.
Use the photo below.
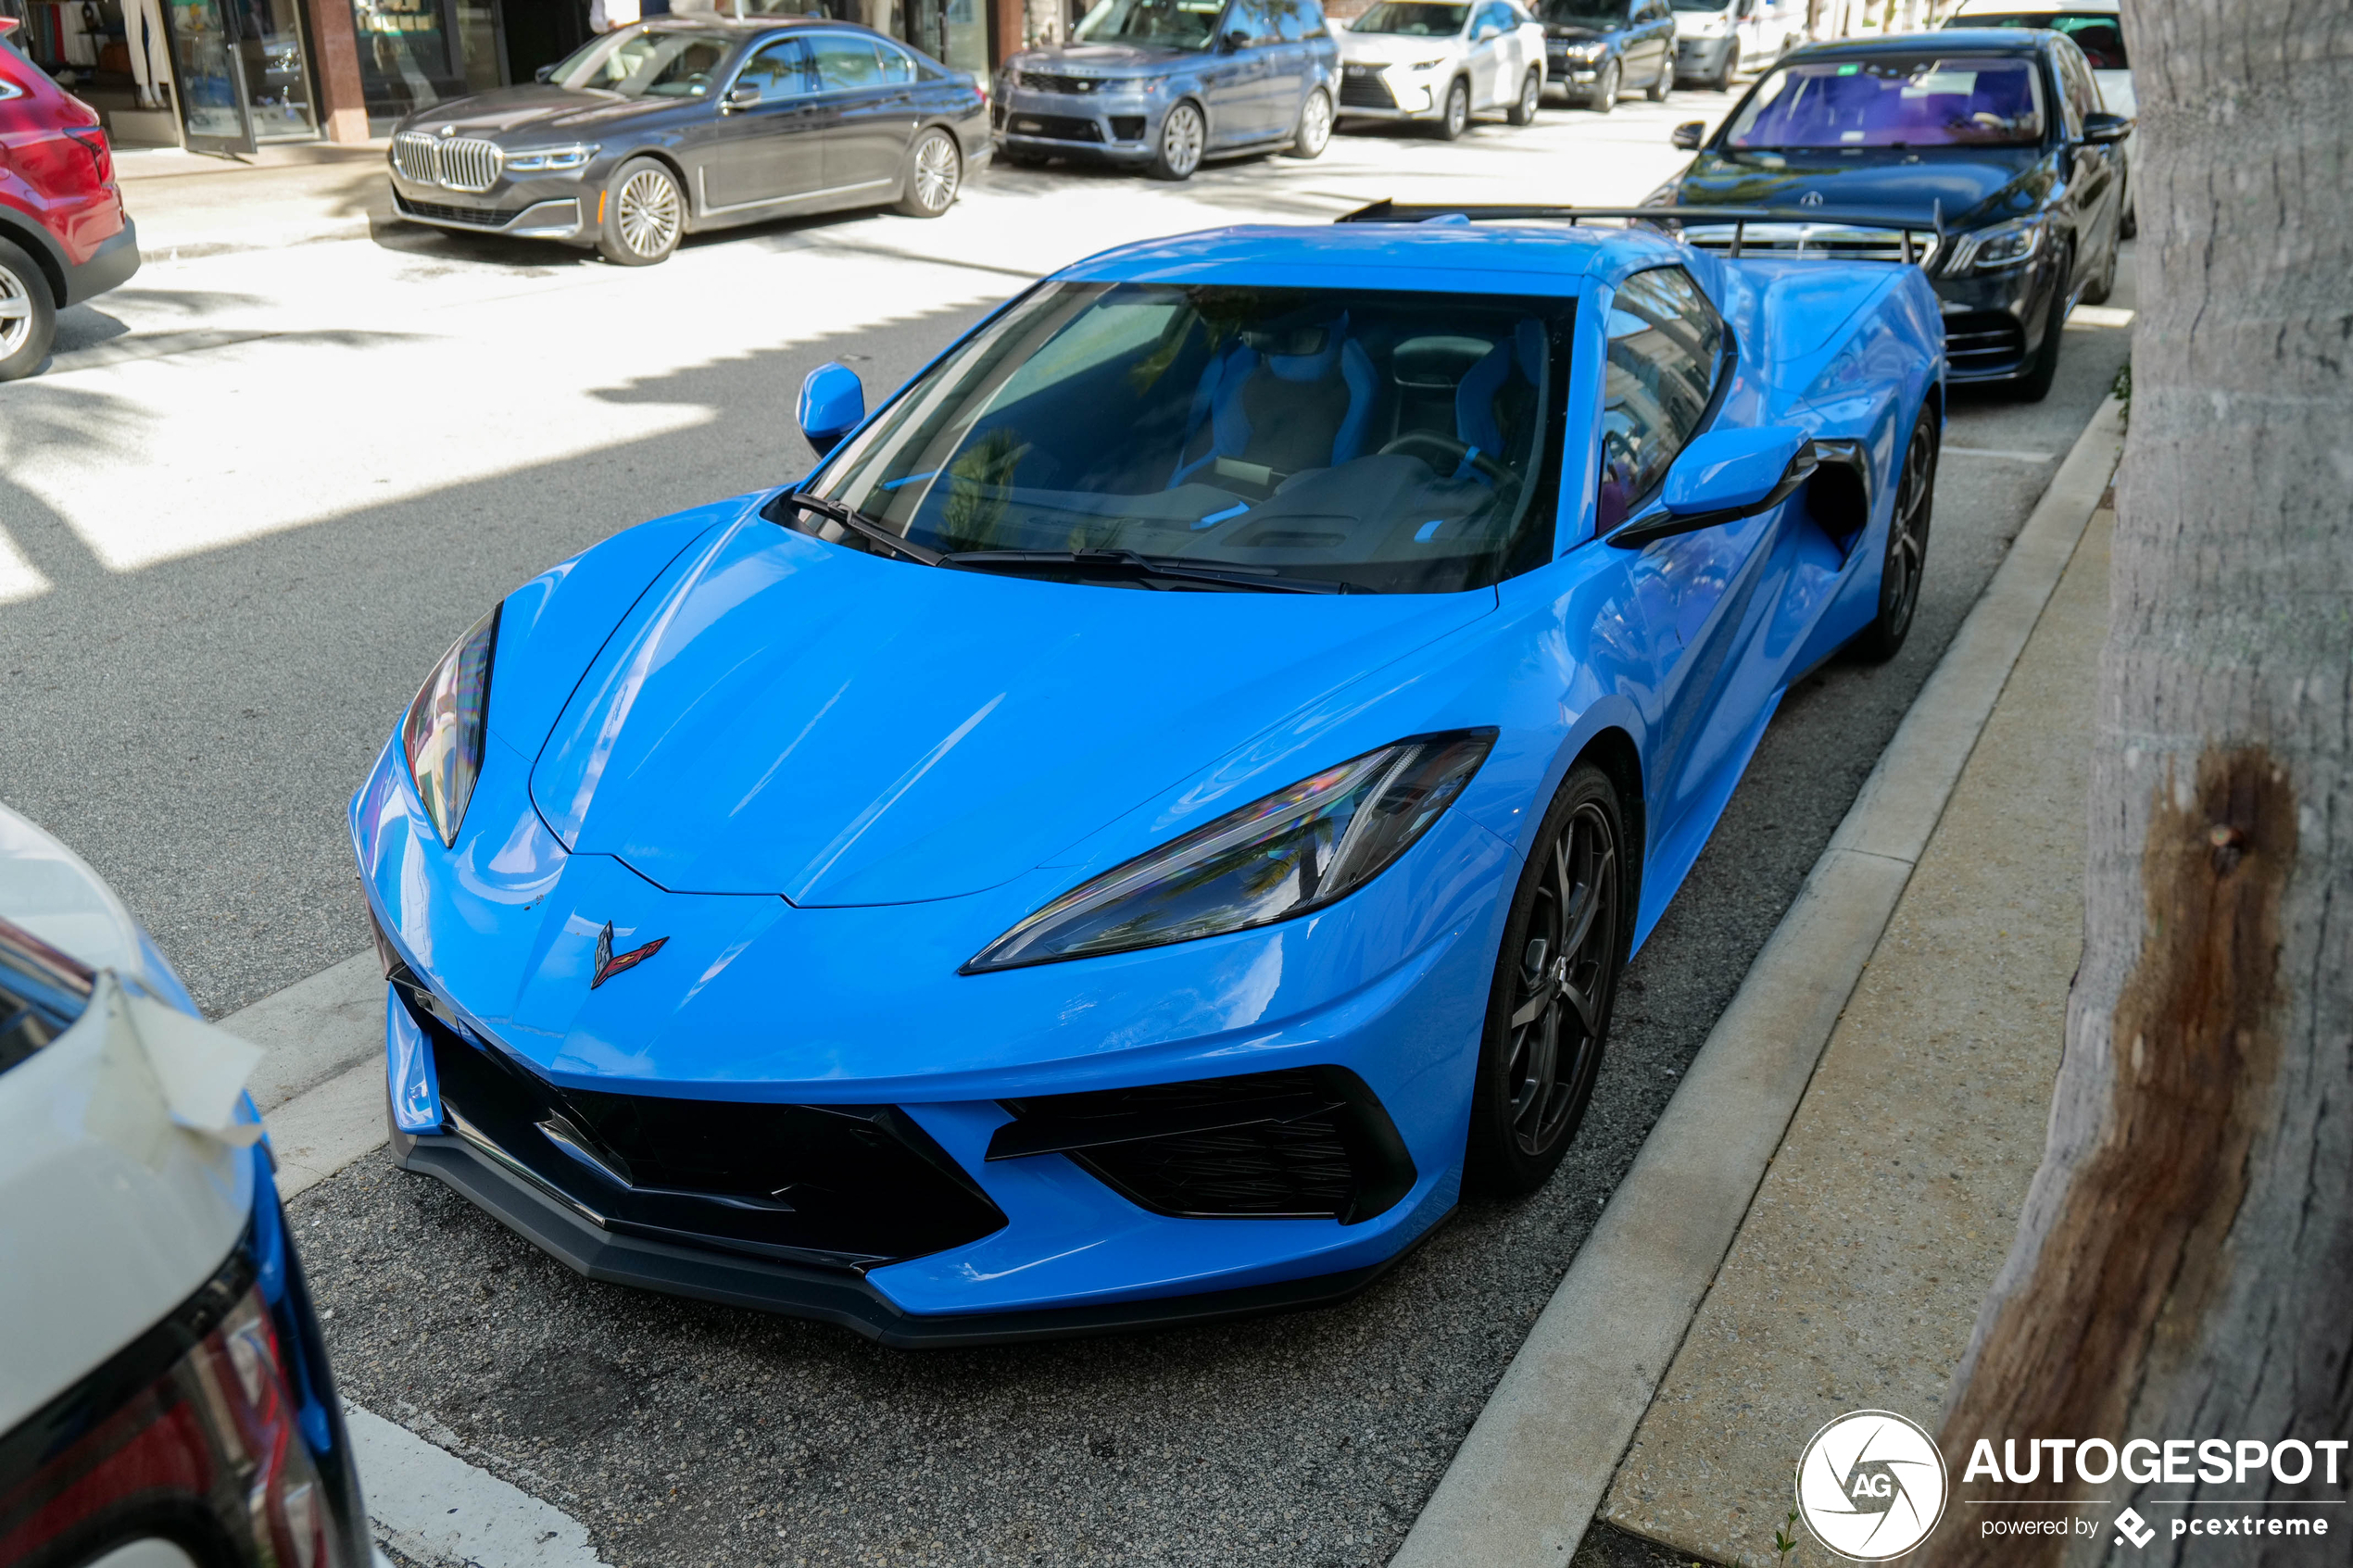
{"type": "Point", "coordinates": [1872, 1486]}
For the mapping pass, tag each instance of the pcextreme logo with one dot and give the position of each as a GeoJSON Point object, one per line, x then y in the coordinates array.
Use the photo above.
{"type": "Point", "coordinates": [1872, 1486]}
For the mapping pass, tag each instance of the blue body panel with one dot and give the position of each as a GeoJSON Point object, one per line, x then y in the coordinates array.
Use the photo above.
{"type": "Point", "coordinates": [828, 779]}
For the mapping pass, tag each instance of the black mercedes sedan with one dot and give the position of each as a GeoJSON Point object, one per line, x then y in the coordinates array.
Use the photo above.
{"type": "Point", "coordinates": [675, 126]}
{"type": "Point", "coordinates": [1995, 137]}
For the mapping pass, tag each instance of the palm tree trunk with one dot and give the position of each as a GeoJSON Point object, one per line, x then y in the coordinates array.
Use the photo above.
{"type": "Point", "coordinates": [2184, 1264]}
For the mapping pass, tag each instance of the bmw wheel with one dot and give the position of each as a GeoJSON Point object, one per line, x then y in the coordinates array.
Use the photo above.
{"type": "Point", "coordinates": [1907, 554]}
{"type": "Point", "coordinates": [934, 172]}
{"type": "Point", "coordinates": [1555, 978]}
{"type": "Point", "coordinates": [1605, 88]}
{"type": "Point", "coordinates": [1183, 134]}
{"type": "Point", "coordinates": [1457, 119]}
{"type": "Point", "coordinates": [1531, 98]}
{"type": "Point", "coordinates": [642, 213]}
{"type": "Point", "coordinates": [27, 314]}
{"type": "Point", "coordinates": [1314, 132]}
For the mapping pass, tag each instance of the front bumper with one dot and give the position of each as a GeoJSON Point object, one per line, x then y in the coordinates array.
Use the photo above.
{"type": "Point", "coordinates": [1107, 127]}
{"type": "Point", "coordinates": [1372, 93]}
{"type": "Point", "coordinates": [530, 209]}
{"type": "Point", "coordinates": [1577, 78]}
{"type": "Point", "coordinates": [1994, 321]}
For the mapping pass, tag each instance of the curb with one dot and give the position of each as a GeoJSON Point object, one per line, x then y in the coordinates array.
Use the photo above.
{"type": "Point", "coordinates": [1523, 1486]}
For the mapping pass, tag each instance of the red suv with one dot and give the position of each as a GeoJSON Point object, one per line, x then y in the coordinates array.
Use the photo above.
{"type": "Point", "coordinates": [64, 237]}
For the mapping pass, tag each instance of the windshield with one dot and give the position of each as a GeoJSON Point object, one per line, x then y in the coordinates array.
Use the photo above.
{"type": "Point", "coordinates": [2101, 36]}
{"type": "Point", "coordinates": [1582, 13]}
{"type": "Point", "coordinates": [1386, 441]}
{"type": "Point", "coordinates": [1894, 101]}
{"type": "Point", "coordinates": [647, 63]}
{"type": "Point", "coordinates": [1700, 4]}
{"type": "Point", "coordinates": [1412, 19]}
{"type": "Point", "coordinates": [1164, 24]}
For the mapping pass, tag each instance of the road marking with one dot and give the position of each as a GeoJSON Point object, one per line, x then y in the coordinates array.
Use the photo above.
{"type": "Point", "coordinates": [2099, 316]}
{"type": "Point", "coordinates": [437, 1510]}
{"type": "Point", "coordinates": [320, 1084]}
{"type": "Point", "coordinates": [2006, 454]}
{"type": "Point", "coordinates": [1522, 1487]}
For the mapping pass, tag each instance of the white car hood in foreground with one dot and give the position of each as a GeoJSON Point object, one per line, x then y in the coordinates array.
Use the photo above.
{"type": "Point", "coordinates": [119, 1193]}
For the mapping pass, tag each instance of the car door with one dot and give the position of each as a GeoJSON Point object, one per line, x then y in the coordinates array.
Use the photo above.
{"type": "Point", "coordinates": [1659, 36]}
{"type": "Point", "coordinates": [1697, 591]}
{"type": "Point", "coordinates": [2094, 170]}
{"type": "Point", "coordinates": [1291, 69]}
{"type": "Point", "coordinates": [865, 106]}
{"type": "Point", "coordinates": [759, 146]}
{"type": "Point", "coordinates": [1486, 40]}
{"type": "Point", "coordinates": [1235, 82]}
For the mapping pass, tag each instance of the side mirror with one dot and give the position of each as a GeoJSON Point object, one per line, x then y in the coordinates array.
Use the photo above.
{"type": "Point", "coordinates": [1231, 39]}
{"type": "Point", "coordinates": [544, 73]}
{"type": "Point", "coordinates": [1689, 135]}
{"type": "Point", "coordinates": [833, 402]}
{"type": "Point", "coordinates": [1723, 476]}
{"type": "Point", "coordinates": [2101, 129]}
{"type": "Point", "coordinates": [742, 95]}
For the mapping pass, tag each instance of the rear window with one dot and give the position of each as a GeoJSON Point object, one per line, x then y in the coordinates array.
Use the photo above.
{"type": "Point", "coordinates": [42, 992]}
{"type": "Point", "coordinates": [1894, 101]}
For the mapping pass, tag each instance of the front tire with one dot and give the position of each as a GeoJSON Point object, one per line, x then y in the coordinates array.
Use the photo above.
{"type": "Point", "coordinates": [1314, 132]}
{"type": "Point", "coordinates": [1531, 98]}
{"type": "Point", "coordinates": [2042, 370]}
{"type": "Point", "coordinates": [1457, 117]}
{"type": "Point", "coordinates": [644, 215]}
{"type": "Point", "coordinates": [1906, 557]}
{"type": "Point", "coordinates": [935, 173]}
{"type": "Point", "coordinates": [1555, 979]}
{"type": "Point", "coordinates": [28, 315]}
{"type": "Point", "coordinates": [1183, 134]}
{"type": "Point", "coordinates": [1606, 90]}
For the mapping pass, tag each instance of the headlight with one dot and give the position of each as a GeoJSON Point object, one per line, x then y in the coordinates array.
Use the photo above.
{"type": "Point", "coordinates": [444, 730]}
{"type": "Point", "coordinates": [1294, 851]}
{"type": "Point", "coordinates": [2004, 244]}
{"type": "Point", "coordinates": [1427, 64]}
{"type": "Point", "coordinates": [546, 160]}
{"type": "Point", "coordinates": [1584, 51]}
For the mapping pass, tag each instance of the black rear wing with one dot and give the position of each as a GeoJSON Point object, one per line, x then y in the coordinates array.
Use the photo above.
{"type": "Point", "coordinates": [1808, 220]}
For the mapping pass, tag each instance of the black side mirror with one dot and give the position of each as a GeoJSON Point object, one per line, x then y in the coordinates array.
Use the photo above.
{"type": "Point", "coordinates": [544, 73]}
{"type": "Point", "coordinates": [2102, 129]}
{"type": "Point", "coordinates": [1689, 134]}
{"type": "Point", "coordinates": [1231, 39]}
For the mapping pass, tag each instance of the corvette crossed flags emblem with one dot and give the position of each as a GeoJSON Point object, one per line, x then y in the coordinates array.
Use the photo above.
{"type": "Point", "coordinates": [610, 963]}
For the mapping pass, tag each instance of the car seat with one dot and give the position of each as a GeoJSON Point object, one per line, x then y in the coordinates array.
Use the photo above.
{"type": "Point", "coordinates": [1277, 400]}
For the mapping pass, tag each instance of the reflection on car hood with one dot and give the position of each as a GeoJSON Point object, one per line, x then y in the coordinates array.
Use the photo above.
{"type": "Point", "coordinates": [535, 106]}
{"type": "Point", "coordinates": [780, 716]}
{"type": "Point", "coordinates": [1573, 34]}
{"type": "Point", "coordinates": [1105, 59]}
{"type": "Point", "coordinates": [1386, 48]}
{"type": "Point", "coordinates": [1967, 187]}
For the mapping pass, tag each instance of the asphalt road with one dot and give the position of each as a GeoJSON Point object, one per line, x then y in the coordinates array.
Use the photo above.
{"type": "Point", "coordinates": [263, 490]}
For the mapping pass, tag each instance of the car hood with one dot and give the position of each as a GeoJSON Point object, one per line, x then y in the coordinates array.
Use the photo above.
{"type": "Point", "coordinates": [1383, 48]}
{"type": "Point", "coordinates": [1965, 187]}
{"type": "Point", "coordinates": [1106, 60]}
{"type": "Point", "coordinates": [535, 106]}
{"type": "Point", "coordinates": [1574, 34]}
{"type": "Point", "coordinates": [780, 716]}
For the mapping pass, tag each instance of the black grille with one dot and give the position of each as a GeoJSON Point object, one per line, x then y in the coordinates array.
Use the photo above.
{"type": "Point", "coordinates": [1056, 126]}
{"type": "Point", "coordinates": [1984, 340]}
{"type": "Point", "coordinates": [474, 216]}
{"type": "Point", "coordinates": [1047, 81]}
{"type": "Point", "coordinates": [840, 1185]}
{"type": "Point", "coordinates": [1302, 1143]}
{"type": "Point", "coordinates": [1361, 87]}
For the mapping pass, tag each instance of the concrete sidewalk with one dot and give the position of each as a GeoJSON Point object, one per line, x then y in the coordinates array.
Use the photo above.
{"type": "Point", "coordinates": [1856, 1276]}
{"type": "Point", "coordinates": [189, 203]}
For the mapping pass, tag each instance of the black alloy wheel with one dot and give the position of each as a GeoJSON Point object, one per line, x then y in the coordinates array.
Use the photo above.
{"type": "Point", "coordinates": [1606, 87]}
{"type": "Point", "coordinates": [1531, 98]}
{"type": "Point", "coordinates": [2042, 370]}
{"type": "Point", "coordinates": [1906, 557]}
{"type": "Point", "coordinates": [935, 172]}
{"type": "Point", "coordinates": [1555, 979]}
{"type": "Point", "coordinates": [1725, 72]}
{"type": "Point", "coordinates": [1457, 119]}
{"type": "Point", "coordinates": [1184, 135]}
{"type": "Point", "coordinates": [1656, 91]}
{"type": "Point", "coordinates": [27, 314]}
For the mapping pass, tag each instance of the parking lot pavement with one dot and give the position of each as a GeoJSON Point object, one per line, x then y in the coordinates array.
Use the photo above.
{"type": "Point", "coordinates": [226, 565]}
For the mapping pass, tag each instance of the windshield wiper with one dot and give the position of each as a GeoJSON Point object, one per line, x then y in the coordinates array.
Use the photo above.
{"type": "Point", "coordinates": [1132, 563]}
{"type": "Point", "coordinates": [858, 523]}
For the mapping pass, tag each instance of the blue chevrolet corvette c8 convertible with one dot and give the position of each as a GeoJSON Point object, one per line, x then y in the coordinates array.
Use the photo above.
{"type": "Point", "coordinates": [1164, 806]}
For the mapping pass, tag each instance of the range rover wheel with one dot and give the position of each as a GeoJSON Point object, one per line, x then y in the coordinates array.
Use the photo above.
{"type": "Point", "coordinates": [643, 212]}
{"type": "Point", "coordinates": [1314, 132]}
{"type": "Point", "coordinates": [1606, 90]}
{"type": "Point", "coordinates": [1657, 92]}
{"type": "Point", "coordinates": [28, 315]}
{"type": "Point", "coordinates": [1183, 134]}
{"type": "Point", "coordinates": [1555, 978]}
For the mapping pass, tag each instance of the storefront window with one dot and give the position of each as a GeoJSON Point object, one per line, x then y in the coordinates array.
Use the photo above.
{"type": "Point", "coordinates": [414, 54]}
{"type": "Point", "coordinates": [277, 78]}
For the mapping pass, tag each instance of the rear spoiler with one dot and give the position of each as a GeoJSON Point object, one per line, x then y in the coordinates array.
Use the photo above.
{"type": "Point", "coordinates": [1739, 218]}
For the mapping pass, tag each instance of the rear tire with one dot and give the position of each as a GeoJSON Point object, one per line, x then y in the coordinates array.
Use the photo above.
{"type": "Point", "coordinates": [1725, 72]}
{"type": "Point", "coordinates": [1555, 979]}
{"type": "Point", "coordinates": [1606, 88]}
{"type": "Point", "coordinates": [1183, 134]}
{"type": "Point", "coordinates": [935, 173]}
{"type": "Point", "coordinates": [1457, 113]}
{"type": "Point", "coordinates": [1314, 132]}
{"type": "Point", "coordinates": [28, 315]}
{"type": "Point", "coordinates": [644, 215]}
{"type": "Point", "coordinates": [1531, 98]}
{"type": "Point", "coordinates": [2099, 288]}
{"type": "Point", "coordinates": [1657, 92]}
{"type": "Point", "coordinates": [1905, 560]}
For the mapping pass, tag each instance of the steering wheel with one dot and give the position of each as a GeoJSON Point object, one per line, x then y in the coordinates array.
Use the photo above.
{"type": "Point", "coordinates": [1445, 455]}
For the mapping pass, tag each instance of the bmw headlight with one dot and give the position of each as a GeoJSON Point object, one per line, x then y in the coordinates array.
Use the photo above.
{"type": "Point", "coordinates": [2004, 244]}
{"type": "Point", "coordinates": [443, 734]}
{"type": "Point", "coordinates": [1295, 851]}
{"type": "Point", "coordinates": [549, 160]}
